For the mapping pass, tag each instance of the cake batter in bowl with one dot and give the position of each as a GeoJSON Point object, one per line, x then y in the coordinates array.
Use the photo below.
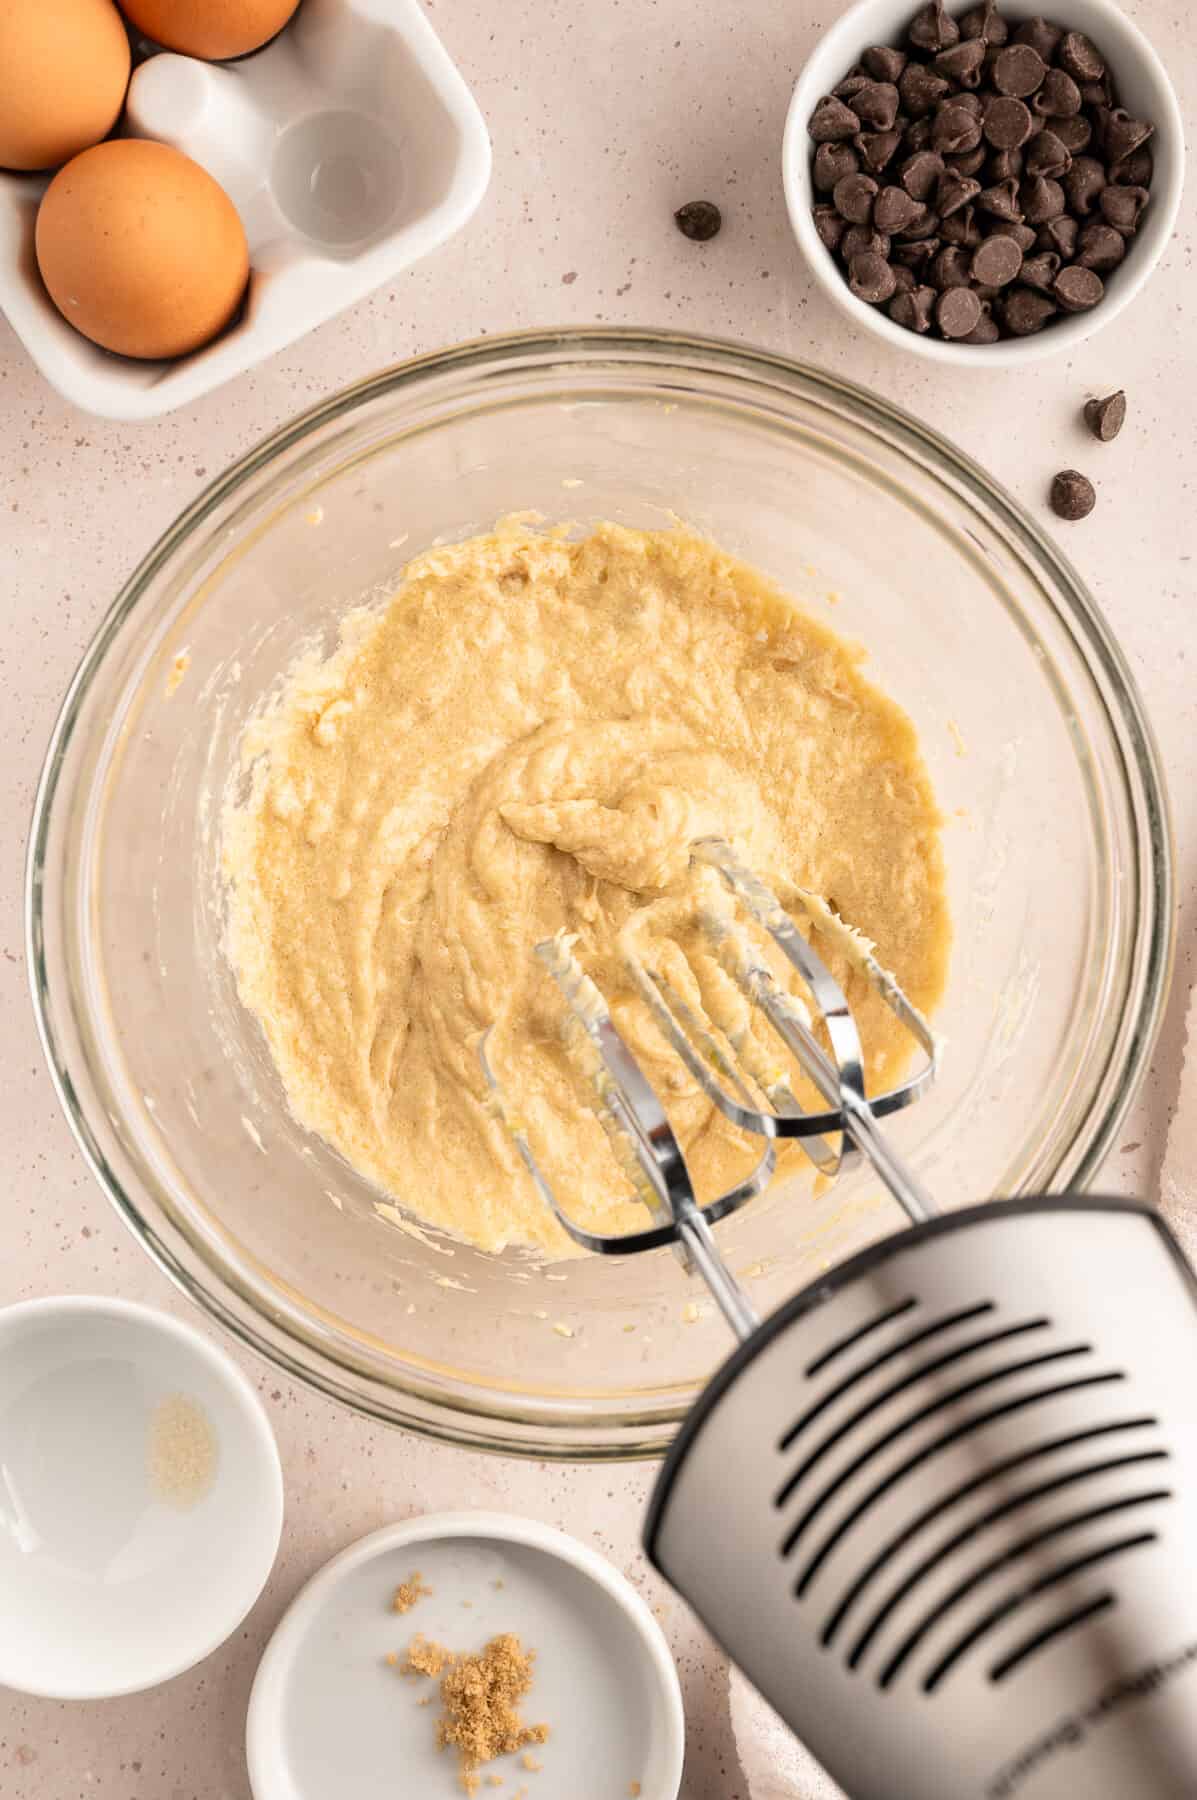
{"type": "Point", "coordinates": [1055, 856]}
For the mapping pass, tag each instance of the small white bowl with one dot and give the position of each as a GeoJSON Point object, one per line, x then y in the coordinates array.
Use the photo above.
{"type": "Point", "coordinates": [141, 1498]}
{"type": "Point", "coordinates": [330, 1716]}
{"type": "Point", "coordinates": [1143, 87]}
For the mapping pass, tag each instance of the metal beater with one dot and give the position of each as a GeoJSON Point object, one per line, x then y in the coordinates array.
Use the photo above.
{"type": "Point", "coordinates": [940, 1507]}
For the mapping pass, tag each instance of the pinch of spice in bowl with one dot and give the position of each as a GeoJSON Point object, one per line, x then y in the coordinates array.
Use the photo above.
{"type": "Point", "coordinates": [980, 179]}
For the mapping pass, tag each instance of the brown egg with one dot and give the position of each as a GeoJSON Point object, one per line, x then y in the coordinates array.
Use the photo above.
{"type": "Point", "coordinates": [64, 69]}
{"type": "Point", "coordinates": [213, 29]}
{"type": "Point", "coordinates": [141, 250]}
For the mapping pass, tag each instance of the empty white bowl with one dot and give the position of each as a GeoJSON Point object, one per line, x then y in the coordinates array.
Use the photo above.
{"type": "Point", "coordinates": [141, 1498]}
{"type": "Point", "coordinates": [1144, 88]}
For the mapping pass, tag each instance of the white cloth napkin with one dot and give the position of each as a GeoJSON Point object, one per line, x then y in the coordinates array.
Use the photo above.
{"type": "Point", "coordinates": [775, 1765]}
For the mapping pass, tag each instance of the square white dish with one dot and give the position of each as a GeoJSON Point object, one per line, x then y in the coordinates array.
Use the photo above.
{"type": "Point", "coordinates": [351, 147]}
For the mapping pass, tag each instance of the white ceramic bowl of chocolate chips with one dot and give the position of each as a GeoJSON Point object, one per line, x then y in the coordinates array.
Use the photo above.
{"type": "Point", "coordinates": [981, 183]}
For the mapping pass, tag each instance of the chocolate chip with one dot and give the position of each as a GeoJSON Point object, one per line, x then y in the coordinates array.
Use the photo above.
{"type": "Point", "coordinates": [1077, 289]}
{"type": "Point", "coordinates": [1100, 247]}
{"type": "Point", "coordinates": [1072, 495]}
{"type": "Point", "coordinates": [1105, 418]}
{"type": "Point", "coordinates": [972, 103]}
{"type": "Point", "coordinates": [1046, 155]}
{"type": "Point", "coordinates": [962, 227]}
{"type": "Point", "coordinates": [1024, 311]}
{"type": "Point", "coordinates": [1059, 235]}
{"type": "Point", "coordinates": [1083, 183]}
{"type": "Point", "coordinates": [904, 281]}
{"type": "Point", "coordinates": [1001, 199]}
{"type": "Point", "coordinates": [970, 163]}
{"type": "Point", "coordinates": [878, 148]}
{"type": "Point", "coordinates": [1019, 70]}
{"type": "Point", "coordinates": [893, 209]}
{"type": "Point", "coordinates": [1124, 135]}
{"type": "Point", "coordinates": [862, 240]}
{"type": "Point", "coordinates": [1059, 97]}
{"type": "Point", "coordinates": [1080, 56]}
{"type": "Point", "coordinates": [1007, 122]}
{"type": "Point", "coordinates": [698, 220]}
{"type": "Point", "coordinates": [1075, 134]}
{"type": "Point", "coordinates": [832, 121]}
{"type": "Point", "coordinates": [1097, 93]}
{"type": "Point", "coordinates": [962, 63]}
{"type": "Point", "coordinates": [932, 29]}
{"type": "Point", "coordinates": [1134, 170]}
{"type": "Point", "coordinates": [951, 267]}
{"type": "Point", "coordinates": [986, 330]}
{"type": "Point", "coordinates": [1122, 207]}
{"type": "Point", "coordinates": [920, 173]}
{"type": "Point", "coordinates": [853, 197]}
{"type": "Point", "coordinates": [917, 255]}
{"type": "Point", "coordinates": [850, 86]}
{"type": "Point", "coordinates": [1041, 35]}
{"type": "Point", "coordinates": [926, 225]}
{"type": "Point", "coordinates": [829, 226]}
{"type": "Point", "coordinates": [883, 63]}
{"type": "Point", "coordinates": [1040, 271]}
{"type": "Point", "coordinates": [954, 190]}
{"type": "Point", "coordinates": [957, 312]}
{"type": "Point", "coordinates": [832, 163]}
{"type": "Point", "coordinates": [918, 135]}
{"type": "Point", "coordinates": [914, 309]}
{"type": "Point", "coordinates": [920, 89]}
{"type": "Point", "coordinates": [955, 130]}
{"type": "Point", "coordinates": [985, 22]}
{"type": "Point", "coordinates": [871, 278]}
{"type": "Point", "coordinates": [1004, 165]}
{"type": "Point", "coordinates": [1042, 199]}
{"type": "Point", "coordinates": [996, 262]}
{"type": "Point", "coordinates": [876, 105]}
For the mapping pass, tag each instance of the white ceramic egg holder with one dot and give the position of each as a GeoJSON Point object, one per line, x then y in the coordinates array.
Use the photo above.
{"type": "Point", "coordinates": [350, 146]}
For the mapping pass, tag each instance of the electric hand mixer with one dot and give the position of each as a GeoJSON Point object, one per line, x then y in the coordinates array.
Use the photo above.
{"type": "Point", "coordinates": [941, 1507]}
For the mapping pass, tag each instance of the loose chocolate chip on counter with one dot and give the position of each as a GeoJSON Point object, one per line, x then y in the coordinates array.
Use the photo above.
{"type": "Point", "coordinates": [1105, 418]}
{"type": "Point", "coordinates": [1072, 495]}
{"type": "Point", "coordinates": [920, 173]}
{"type": "Point", "coordinates": [913, 309]}
{"type": "Point", "coordinates": [1024, 311]}
{"type": "Point", "coordinates": [1134, 170]}
{"type": "Point", "coordinates": [1077, 289]}
{"type": "Point", "coordinates": [1059, 235]}
{"type": "Point", "coordinates": [1083, 183]}
{"type": "Point", "coordinates": [1018, 70]}
{"type": "Point", "coordinates": [1075, 134]}
{"type": "Point", "coordinates": [1080, 57]}
{"type": "Point", "coordinates": [883, 63]}
{"type": "Point", "coordinates": [1122, 207]}
{"type": "Point", "coordinates": [932, 29]}
{"type": "Point", "coordinates": [876, 105]}
{"type": "Point", "coordinates": [1002, 200]}
{"type": "Point", "coordinates": [1007, 122]}
{"type": "Point", "coordinates": [1124, 135]}
{"type": "Point", "coordinates": [862, 240]}
{"type": "Point", "coordinates": [962, 227]}
{"type": "Point", "coordinates": [996, 262]}
{"type": "Point", "coordinates": [832, 163]}
{"type": "Point", "coordinates": [1047, 155]}
{"type": "Point", "coordinates": [920, 89]}
{"type": "Point", "coordinates": [1042, 199]}
{"type": "Point", "coordinates": [894, 209]}
{"type": "Point", "coordinates": [1100, 247]}
{"type": "Point", "coordinates": [853, 198]}
{"type": "Point", "coordinates": [1041, 35]}
{"type": "Point", "coordinates": [954, 191]}
{"type": "Point", "coordinates": [962, 63]}
{"type": "Point", "coordinates": [1040, 271]}
{"type": "Point", "coordinates": [1059, 97]}
{"type": "Point", "coordinates": [957, 312]}
{"type": "Point", "coordinates": [871, 278]}
{"type": "Point", "coordinates": [1004, 165]}
{"type": "Point", "coordinates": [985, 22]}
{"type": "Point", "coordinates": [878, 148]}
{"type": "Point", "coordinates": [1024, 235]}
{"type": "Point", "coordinates": [951, 268]}
{"type": "Point", "coordinates": [698, 220]}
{"type": "Point", "coordinates": [829, 226]}
{"type": "Point", "coordinates": [832, 121]}
{"type": "Point", "coordinates": [955, 130]}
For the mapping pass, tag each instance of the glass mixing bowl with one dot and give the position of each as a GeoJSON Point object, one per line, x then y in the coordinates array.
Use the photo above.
{"type": "Point", "coordinates": [1056, 841]}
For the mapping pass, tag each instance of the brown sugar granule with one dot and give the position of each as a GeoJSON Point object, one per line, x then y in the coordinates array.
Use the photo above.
{"type": "Point", "coordinates": [425, 1658]}
{"type": "Point", "coordinates": [530, 1762]}
{"type": "Point", "coordinates": [410, 1592]}
{"type": "Point", "coordinates": [481, 1695]}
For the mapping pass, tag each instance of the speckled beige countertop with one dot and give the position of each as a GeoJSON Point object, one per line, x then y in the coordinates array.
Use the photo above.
{"type": "Point", "coordinates": [604, 118]}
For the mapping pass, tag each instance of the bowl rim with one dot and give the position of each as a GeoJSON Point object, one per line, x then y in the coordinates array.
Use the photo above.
{"type": "Point", "coordinates": [645, 1430]}
{"type": "Point", "coordinates": [843, 41]}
